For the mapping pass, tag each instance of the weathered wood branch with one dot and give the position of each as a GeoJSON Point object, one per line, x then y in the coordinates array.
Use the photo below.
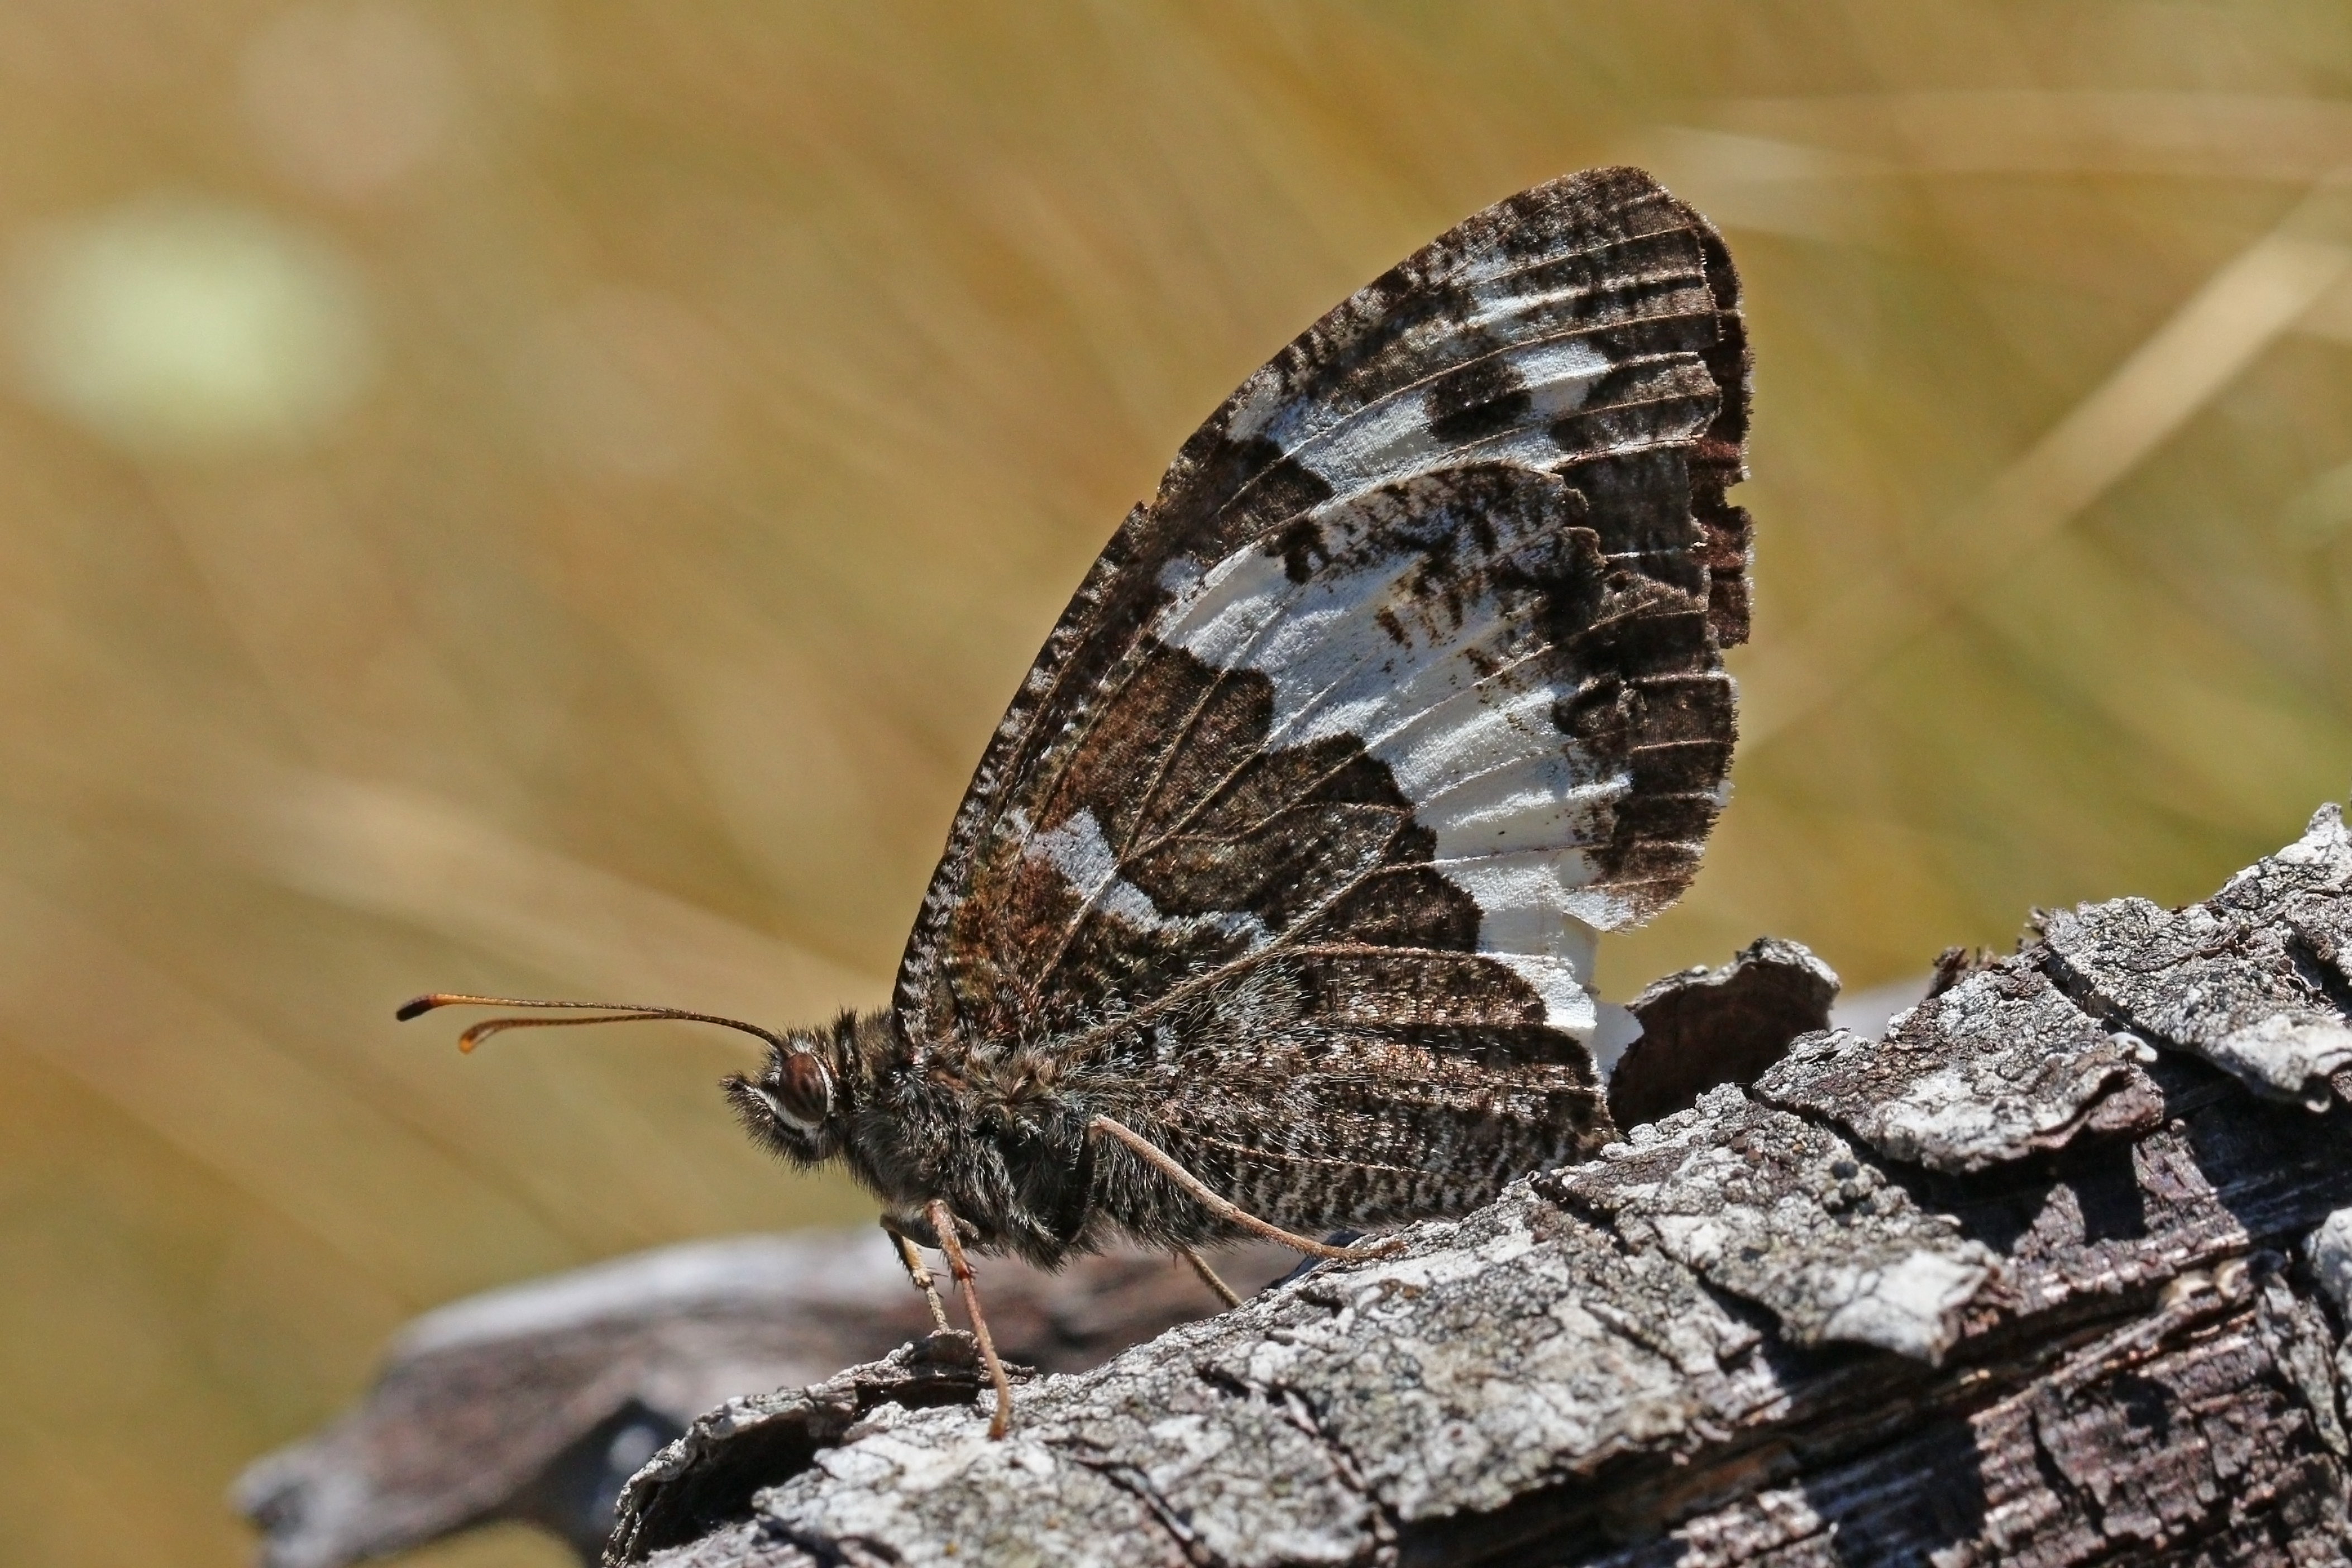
{"type": "Point", "coordinates": [2048, 1276]}
{"type": "Point", "coordinates": [537, 1401]}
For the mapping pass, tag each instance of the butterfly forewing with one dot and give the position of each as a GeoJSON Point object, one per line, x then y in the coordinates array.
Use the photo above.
{"type": "Point", "coordinates": [1406, 683]}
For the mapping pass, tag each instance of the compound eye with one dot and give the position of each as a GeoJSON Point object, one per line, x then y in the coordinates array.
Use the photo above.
{"type": "Point", "coordinates": [803, 1092]}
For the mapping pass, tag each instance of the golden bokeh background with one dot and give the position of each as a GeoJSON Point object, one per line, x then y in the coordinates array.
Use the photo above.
{"type": "Point", "coordinates": [554, 498]}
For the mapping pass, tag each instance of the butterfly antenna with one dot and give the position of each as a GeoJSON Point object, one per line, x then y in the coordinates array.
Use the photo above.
{"type": "Point", "coordinates": [607, 1013]}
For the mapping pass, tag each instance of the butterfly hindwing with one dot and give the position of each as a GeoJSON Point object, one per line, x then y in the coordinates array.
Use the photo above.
{"type": "Point", "coordinates": [1406, 683]}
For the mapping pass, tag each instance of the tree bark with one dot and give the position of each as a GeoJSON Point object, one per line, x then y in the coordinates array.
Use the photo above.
{"type": "Point", "coordinates": [2048, 1276]}
{"type": "Point", "coordinates": [537, 1401]}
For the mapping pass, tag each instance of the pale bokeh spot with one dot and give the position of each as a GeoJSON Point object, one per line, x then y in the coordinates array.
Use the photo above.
{"type": "Point", "coordinates": [177, 325]}
{"type": "Point", "coordinates": [347, 98]}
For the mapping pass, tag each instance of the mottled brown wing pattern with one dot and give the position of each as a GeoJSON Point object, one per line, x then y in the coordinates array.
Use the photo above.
{"type": "Point", "coordinates": [1406, 684]}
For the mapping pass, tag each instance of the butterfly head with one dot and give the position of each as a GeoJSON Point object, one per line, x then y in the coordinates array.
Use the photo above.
{"type": "Point", "coordinates": [794, 1106]}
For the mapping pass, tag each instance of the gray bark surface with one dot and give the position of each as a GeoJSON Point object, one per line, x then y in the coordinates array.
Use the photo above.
{"type": "Point", "coordinates": [538, 1401]}
{"type": "Point", "coordinates": [2053, 1274]}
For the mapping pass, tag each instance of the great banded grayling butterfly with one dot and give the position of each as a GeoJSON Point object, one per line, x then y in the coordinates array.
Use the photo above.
{"type": "Point", "coordinates": [1272, 905]}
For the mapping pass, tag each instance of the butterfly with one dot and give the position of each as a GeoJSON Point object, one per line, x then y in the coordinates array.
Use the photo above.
{"type": "Point", "coordinates": [1272, 905]}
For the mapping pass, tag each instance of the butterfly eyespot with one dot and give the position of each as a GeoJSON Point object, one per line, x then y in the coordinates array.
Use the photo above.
{"type": "Point", "coordinates": [801, 1092]}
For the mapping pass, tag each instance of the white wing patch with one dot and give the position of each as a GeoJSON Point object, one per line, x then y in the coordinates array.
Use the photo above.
{"type": "Point", "coordinates": [1513, 803]}
{"type": "Point", "coordinates": [1078, 850]}
{"type": "Point", "coordinates": [1352, 449]}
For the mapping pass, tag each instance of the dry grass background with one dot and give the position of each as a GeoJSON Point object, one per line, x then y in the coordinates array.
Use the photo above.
{"type": "Point", "coordinates": [554, 498]}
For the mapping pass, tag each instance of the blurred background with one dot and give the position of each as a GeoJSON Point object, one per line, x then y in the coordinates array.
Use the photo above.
{"type": "Point", "coordinates": [553, 498]}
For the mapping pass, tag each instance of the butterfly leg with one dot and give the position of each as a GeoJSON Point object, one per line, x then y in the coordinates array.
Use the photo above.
{"type": "Point", "coordinates": [918, 1275]}
{"type": "Point", "coordinates": [1224, 1210]}
{"type": "Point", "coordinates": [1209, 1275]}
{"type": "Point", "coordinates": [943, 1222]}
